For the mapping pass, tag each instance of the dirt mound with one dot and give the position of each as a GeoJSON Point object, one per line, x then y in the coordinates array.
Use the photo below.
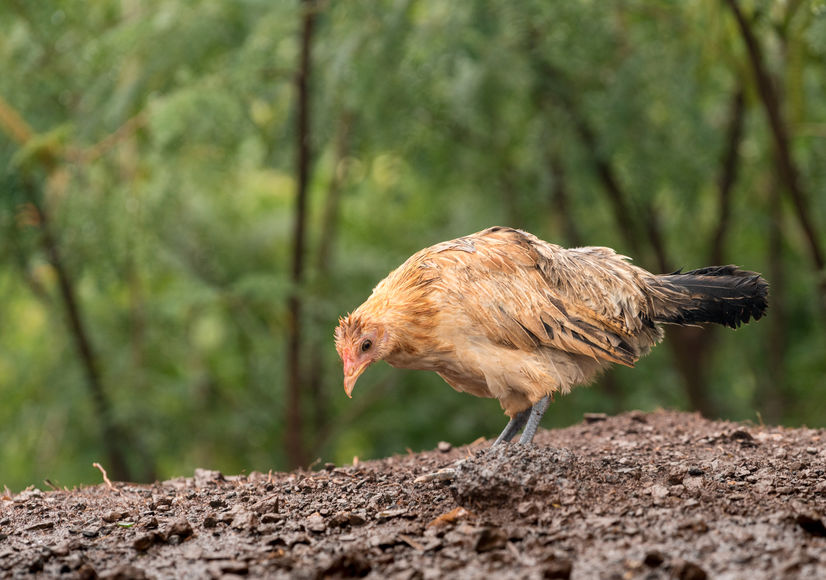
{"type": "Point", "coordinates": [662, 495]}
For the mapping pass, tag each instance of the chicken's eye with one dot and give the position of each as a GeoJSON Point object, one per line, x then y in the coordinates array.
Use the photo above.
{"type": "Point", "coordinates": [365, 346]}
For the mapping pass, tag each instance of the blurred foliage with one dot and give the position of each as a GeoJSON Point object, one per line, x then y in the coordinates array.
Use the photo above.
{"type": "Point", "coordinates": [162, 147]}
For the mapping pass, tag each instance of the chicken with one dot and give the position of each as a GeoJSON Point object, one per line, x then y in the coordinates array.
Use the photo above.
{"type": "Point", "coordinates": [503, 314]}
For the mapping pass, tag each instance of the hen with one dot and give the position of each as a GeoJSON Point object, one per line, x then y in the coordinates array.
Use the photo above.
{"type": "Point", "coordinates": [503, 314]}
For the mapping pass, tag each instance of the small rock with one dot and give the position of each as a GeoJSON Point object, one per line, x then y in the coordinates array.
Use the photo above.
{"type": "Point", "coordinates": [638, 416]}
{"type": "Point", "coordinates": [391, 513]}
{"type": "Point", "coordinates": [151, 523]}
{"type": "Point", "coordinates": [62, 550]}
{"type": "Point", "coordinates": [741, 435]}
{"type": "Point", "coordinates": [698, 526]}
{"type": "Point", "coordinates": [113, 516]}
{"type": "Point", "coordinates": [205, 477]}
{"type": "Point", "coordinates": [143, 543]}
{"type": "Point", "coordinates": [444, 446]}
{"type": "Point", "coordinates": [526, 508]}
{"type": "Point", "coordinates": [267, 506]}
{"type": "Point", "coordinates": [340, 519]}
{"type": "Point", "coordinates": [345, 518]}
{"type": "Point", "coordinates": [245, 520]}
{"type": "Point", "coordinates": [385, 541]}
{"type": "Point", "coordinates": [173, 540]}
{"type": "Point", "coordinates": [210, 521]}
{"type": "Point", "coordinates": [91, 532]}
{"type": "Point", "coordinates": [159, 501]}
{"type": "Point", "coordinates": [316, 523]}
{"type": "Point", "coordinates": [357, 519]}
{"type": "Point", "coordinates": [180, 528]}
{"type": "Point", "coordinates": [658, 491]}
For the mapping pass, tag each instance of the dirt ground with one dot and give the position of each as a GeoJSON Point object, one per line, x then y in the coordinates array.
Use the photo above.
{"type": "Point", "coordinates": [661, 495]}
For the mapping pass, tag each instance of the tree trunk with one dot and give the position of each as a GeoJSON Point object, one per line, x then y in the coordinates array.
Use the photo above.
{"type": "Point", "coordinates": [112, 436]}
{"type": "Point", "coordinates": [295, 376]}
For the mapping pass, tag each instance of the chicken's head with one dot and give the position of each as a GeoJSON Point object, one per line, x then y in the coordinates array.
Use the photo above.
{"type": "Point", "coordinates": [360, 343]}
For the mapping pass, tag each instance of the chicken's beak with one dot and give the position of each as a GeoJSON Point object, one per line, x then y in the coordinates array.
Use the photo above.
{"type": "Point", "coordinates": [352, 371]}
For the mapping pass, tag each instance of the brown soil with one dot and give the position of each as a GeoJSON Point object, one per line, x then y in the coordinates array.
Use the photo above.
{"type": "Point", "coordinates": [662, 495]}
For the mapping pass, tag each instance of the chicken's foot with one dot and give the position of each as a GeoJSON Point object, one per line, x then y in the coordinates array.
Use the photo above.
{"type": "Point", "coordinates": [512, 428]}
{"type": "Point", "coordinates": [533, 421]}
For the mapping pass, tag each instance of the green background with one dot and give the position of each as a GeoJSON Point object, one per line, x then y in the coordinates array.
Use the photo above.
{"type": "Point", "coordinates": [148, 169]}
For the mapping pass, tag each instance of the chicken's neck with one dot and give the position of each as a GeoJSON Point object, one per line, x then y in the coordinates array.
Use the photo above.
{"type": "Point", "coordinates": [417, 346]}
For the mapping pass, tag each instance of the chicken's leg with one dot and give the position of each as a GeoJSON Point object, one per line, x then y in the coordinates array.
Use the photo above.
{"type": "Point", "coordinates": [533, 421]}
{"type": "Point", "coordinates": [512, 428]}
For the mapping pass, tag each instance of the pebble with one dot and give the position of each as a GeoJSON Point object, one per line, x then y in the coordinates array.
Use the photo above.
{"type": "Point", "coordinates": [180, 528]}
{"type": "Point", "coordinates": [316, 523]}
{"type": "Point", "coordinates": [245, 520]}
{"type": "Point", "coordinates": [658, 491]}
{"type": "Point", "coordinates": [143, 543]}
{"type": "Point", "coordinates": [210, 521]}
{"type": "Point", "coordinates": [113, 516]}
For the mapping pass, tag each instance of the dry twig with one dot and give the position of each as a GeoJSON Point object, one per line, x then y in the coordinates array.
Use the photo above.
{"type": "Point", "coordinates": [105, 477]}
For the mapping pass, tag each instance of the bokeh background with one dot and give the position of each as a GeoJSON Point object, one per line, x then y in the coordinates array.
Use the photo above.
{"type": "Point", "coordinates": [192, 192]}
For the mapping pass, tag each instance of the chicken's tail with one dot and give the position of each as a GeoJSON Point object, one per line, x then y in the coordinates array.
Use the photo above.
{"type": "Point", "coordinates": [723, 295]}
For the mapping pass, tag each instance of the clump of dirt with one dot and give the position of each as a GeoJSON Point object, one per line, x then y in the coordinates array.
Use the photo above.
{"type": "Point", "coordinates": [661, 495]}
{"type": "Point", "coordinates": [501, 478]}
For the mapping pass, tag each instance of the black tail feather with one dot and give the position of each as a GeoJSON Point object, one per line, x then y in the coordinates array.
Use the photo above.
{"type": "Point", "coordinates": [719, 294]}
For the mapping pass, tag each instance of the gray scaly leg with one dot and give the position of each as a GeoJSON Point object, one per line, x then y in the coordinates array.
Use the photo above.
{"type": "Point", "coordinates": [533, 422]}
{"type": "Point", "coordinates": [513, 427]}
